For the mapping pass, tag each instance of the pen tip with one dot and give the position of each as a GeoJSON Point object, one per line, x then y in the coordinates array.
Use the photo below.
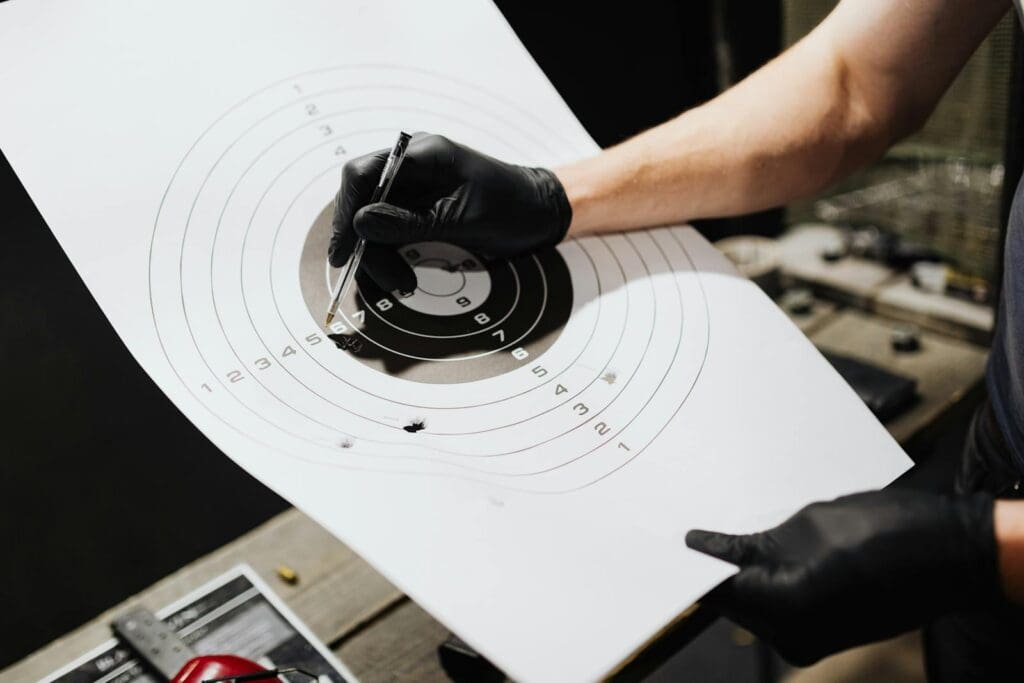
{"type": "Point", "coordinates": [330, 318]}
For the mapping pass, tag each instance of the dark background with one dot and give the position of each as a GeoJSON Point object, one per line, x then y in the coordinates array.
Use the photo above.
{"type": "Point", "coordinates": [106, 487]}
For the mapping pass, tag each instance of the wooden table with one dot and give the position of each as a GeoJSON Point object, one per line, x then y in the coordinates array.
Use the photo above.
{"type": "Point", "coordinates": [370, 624]}
{"type": "Point", "coordinates": [380, 633]}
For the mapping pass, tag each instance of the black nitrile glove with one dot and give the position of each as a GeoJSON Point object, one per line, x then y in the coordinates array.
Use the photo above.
{"type": "Point", "coordinates": [450, 193]}
{"type": "Point", "coordinates": [858, 569]}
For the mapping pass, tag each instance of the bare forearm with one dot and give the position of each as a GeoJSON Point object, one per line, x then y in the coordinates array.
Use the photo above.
{"type": "Point", "coordinates": [1009, 526]}
{"type": "Point", "coordinates": [759, 145]}
{"type": "Point", "coordinates": [808, 118]}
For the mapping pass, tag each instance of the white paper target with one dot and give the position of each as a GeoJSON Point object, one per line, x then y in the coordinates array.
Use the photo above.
{"type": "Point", "coordinates": [542, 373]}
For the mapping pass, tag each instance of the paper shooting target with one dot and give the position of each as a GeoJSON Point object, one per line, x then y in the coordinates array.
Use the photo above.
{"type": "Point", "coordinates": [544, 373]}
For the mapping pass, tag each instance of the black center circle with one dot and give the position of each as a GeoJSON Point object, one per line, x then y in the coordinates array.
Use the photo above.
{"type": "Point", "coordinates": [473, 320]}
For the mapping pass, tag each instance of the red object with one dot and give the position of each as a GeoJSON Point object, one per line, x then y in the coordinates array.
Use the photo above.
{"type": "Point", "coordinates": [204, 668]}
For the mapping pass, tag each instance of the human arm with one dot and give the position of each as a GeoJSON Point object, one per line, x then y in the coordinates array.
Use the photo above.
{"type": "Point", "coordinates": [870, 74]}
{"type": "Point", "coordinates": [867, 76]}
{"type": "Point", "coordinates": [1009, 531]}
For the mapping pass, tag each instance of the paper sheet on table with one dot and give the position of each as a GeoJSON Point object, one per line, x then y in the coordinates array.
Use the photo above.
{"type": "Point", "coordinates": [580, 410]}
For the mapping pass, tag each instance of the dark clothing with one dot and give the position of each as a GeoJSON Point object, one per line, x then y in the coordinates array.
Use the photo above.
{"type": "Point", "coordinates": [982, 645]}
{"type": "Point", "coordinates": [986, 464]}
{"type": "Point", "coordinates": [1005, 374]}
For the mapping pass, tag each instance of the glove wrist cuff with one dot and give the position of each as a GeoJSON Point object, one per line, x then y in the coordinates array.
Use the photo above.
{"type": "Point", "coordinates": [558, 203]}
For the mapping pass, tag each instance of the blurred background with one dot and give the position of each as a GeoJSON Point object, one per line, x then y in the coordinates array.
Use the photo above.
{"type": "Point", "coordinates": [97, 462]}
{"type": "Point", "coordinates": [944, 185]}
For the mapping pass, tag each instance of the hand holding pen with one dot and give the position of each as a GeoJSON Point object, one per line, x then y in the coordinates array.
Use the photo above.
{"type": "Point", "coordinates": [380, 193]}
{"type": "Point", "coordinates": [448, 193]}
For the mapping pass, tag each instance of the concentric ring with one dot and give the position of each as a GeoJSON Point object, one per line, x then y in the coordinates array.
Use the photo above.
{"type": "Point", "coordinates": [241, 339]}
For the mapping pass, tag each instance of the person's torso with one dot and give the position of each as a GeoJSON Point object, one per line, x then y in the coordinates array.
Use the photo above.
{"type": "Point", "coordinates": [1005, 374]}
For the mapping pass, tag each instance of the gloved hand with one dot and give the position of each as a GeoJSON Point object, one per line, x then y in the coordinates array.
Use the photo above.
{"type": "Point", "coordinates": [857, 569]}
{"type": "Point", "coordinates": [447, 192]}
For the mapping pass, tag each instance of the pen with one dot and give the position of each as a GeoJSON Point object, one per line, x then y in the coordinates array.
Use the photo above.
{"type": "Point", "coordinates": [380, 193]}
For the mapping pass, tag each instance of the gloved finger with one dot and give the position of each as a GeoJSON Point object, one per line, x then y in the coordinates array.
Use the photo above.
{"type": "Point", "coordinates": [429, 171]}
{"type": "Point", "coordinates": [720, 596]}
{"type": "Point", "coordinates": [739, 550]}
{"type": "Point", "coordinates": [369, 290]}
{"type": "Point", "coordinates": [358, 179]}
{"type": "Point", "coordinates": [343, 240]}
{"type": "Point", "coordinates": [388, 269]}
{"type": "Point", "coordinates": [385, 223]}
{"type": "Point", "coordinates": [430, 160]}
{"type": "Point", "coordinates": [741, 599]}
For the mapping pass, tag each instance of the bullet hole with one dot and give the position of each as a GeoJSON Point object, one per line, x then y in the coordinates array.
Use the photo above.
{"type": "Point", "coordinates": [346, 444]}
{"type": "Point", "coordinates": [415, 426]}
{"type": "Point", "coordinates": [347, 342]}
{"type": "Point", "coordinates": [610, 377]}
